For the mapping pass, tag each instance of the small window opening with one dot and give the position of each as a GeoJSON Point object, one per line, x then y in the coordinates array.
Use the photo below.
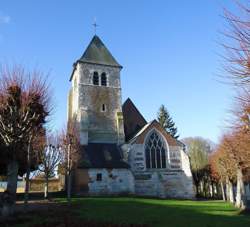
{"type": "Point", "coordinates": [103, 108]}
{"type": "Point", "coordinates": [95, 78]}
{"type": "Point", "coordinates": [104, 79]}
{"type": "Point", "coordinates": [98, 177]}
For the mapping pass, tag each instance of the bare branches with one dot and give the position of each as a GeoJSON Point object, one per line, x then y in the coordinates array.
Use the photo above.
{"type": "Point", "coordinates": [237, 47]}
{"type": "Point", "coordinates": [24, 104]}
{"type": "Point", "coordinates": [50, 157]}
{"type": "Point", "coordinates": [71, 145]}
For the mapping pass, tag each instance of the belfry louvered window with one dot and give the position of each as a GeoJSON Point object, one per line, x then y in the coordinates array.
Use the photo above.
{"type": "Point", "coordinates": [96, 78]}
{"type": "Point", "coordinates": [155, 151]}
{"type": "Point", "coordinates": [104, 79]}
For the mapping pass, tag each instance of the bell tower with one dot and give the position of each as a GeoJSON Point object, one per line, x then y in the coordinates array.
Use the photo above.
{"type": "Point", "coordinates": [95, 96]}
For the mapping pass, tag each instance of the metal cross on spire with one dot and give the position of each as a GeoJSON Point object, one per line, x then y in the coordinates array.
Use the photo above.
{"type": "Point", "coordinates": [95, 25]}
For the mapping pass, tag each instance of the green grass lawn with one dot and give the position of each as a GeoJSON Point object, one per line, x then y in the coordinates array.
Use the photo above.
{"type": "Point", "coordinates": [161, 213]}
{"type": "Point", "coordinates": [154, 212]}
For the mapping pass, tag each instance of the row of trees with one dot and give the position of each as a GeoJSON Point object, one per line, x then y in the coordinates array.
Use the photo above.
{"type": "Point", "coordinates": [229, 165]}
{"type": "Point", "coordinates": [25, 144]}
{"type": "Point", "coordinates": [218, 170]}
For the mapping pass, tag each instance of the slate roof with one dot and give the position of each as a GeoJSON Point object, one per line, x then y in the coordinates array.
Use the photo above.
{"type": "Point", "coordinates": [98, 53]}
{"type": "Point", "coordinates": [133, 119]}
{"type": "Point", "coordinates": [103, 155]}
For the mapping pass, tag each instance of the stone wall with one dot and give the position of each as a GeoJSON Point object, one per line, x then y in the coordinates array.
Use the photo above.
{"type": "Point", "coordinates": [37, 185]}
{"type": "Point", "coordinates": [114, 182]}
{"type": "Point", "coordinates": [173, 182]}
{"type": "Point", "coordinates": [104, 182]}
{"type": "Point", "coordinates": [164, 184]}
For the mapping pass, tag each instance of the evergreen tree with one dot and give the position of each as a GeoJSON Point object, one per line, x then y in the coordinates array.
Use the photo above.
{"type": "Point", "coordinates": [167, 122]}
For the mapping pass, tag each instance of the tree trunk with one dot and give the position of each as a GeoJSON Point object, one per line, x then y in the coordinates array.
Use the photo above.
{"type": "Point", "coordinates": [46, 188]}
{"type": "Point", "coordinates": [27, 180]}
{"type": "Point", "coordinates": [201, 188]}
{"type": "Point", "coordinates": [197, 189]}
{"type": "Point", "coordinates": [227, 190]}
{"type": "Point", "coordinates": [240, 193]}
{"type": "Point", "coordinates": [27, 187]}
{"type": "Point", "coordinates": [9, 196]}
{"type": "Point", "coordinates": [217, 188]}
{"type": "Point", "coordinates": [231, 193]}
{"type": "Point", "coordinates": [222, 191]}
{"type": "Point", "coordinates": [69, 174]}
{"type": "Point", "coordinates": [69, 187]}
{"type": "Point", "coordinates": [211, 189]}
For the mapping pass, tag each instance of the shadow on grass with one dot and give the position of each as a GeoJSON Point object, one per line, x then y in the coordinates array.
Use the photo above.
{"type": "Point", "coordinates": [126, 212]}
{"type": "Point", "coordinates": [162, 213]}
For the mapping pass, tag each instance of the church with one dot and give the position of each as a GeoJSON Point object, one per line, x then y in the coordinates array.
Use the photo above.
{"type": "Point", "coordinates": [121, 153]}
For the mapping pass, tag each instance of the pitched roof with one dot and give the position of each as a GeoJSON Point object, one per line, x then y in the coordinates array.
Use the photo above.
{"type": "Point", "coordinates": [103, 155]}
{"type": "Point", "coordinates": [133, 119]}
{"type": "Point", "coordinates": [140, 136]}
{"type": "Point", "coordinates": [98, 53]}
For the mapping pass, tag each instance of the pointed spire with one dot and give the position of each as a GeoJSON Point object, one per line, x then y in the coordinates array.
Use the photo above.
{"type": "Point", "coordinates": [97, 53]}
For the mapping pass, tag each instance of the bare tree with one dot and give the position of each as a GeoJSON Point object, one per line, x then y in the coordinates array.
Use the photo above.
{"type": "Point", "coordinates": [71, 149]}
{"type": "Point", "coordinates": [233, 152]}
{"type": "Point", "coordinates": [50, 157]}
{"type": "Point", "coordinates": [24, 105]}
{"type": "Point", "coordinates": [27, 177]}
{"type": "Point", "coordinates": [237, 46]}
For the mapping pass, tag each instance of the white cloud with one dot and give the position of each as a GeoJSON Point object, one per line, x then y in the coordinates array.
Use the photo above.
{"type": "Point", "coordinates": [4, 19]}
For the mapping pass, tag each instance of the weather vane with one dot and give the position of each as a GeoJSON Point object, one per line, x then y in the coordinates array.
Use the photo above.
{"type": "Point", "coordinates": [95, 25]}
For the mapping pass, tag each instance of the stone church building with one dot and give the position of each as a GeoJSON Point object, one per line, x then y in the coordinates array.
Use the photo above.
{"type": "Point", "coordinates": [121, 153]}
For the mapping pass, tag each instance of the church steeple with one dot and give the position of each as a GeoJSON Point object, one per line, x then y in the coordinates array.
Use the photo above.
{"type": "Point", "coordinates": [95, 97]}
{"type": "Point", "coordinates": [98, 53]}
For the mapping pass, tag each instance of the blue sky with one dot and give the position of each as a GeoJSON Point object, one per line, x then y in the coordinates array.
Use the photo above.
{"type": "Point", "coordinates": [168, 49]}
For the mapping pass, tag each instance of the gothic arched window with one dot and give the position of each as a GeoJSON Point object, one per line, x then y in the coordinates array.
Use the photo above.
{"type": "Point", "coordinates": [104, 79]}
{"type": "Point", "coordinates": [155, 151]}
{"type": "Point", "coordinates": [96, 78]}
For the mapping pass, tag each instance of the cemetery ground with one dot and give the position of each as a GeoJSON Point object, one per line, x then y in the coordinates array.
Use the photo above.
{"type": "Point", "coordinates": [125, 212]}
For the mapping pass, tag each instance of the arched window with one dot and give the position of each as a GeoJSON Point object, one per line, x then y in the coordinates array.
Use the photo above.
{"type": "Point", "coordinates": [155, 151]}
{"type": "Point", "coordinates": [104, 79]}
{"type": "Point", "coordinates": [96, 78]}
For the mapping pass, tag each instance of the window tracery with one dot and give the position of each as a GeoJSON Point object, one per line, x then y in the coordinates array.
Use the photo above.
{"type": "Point", "coordinates": [155, 151]}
